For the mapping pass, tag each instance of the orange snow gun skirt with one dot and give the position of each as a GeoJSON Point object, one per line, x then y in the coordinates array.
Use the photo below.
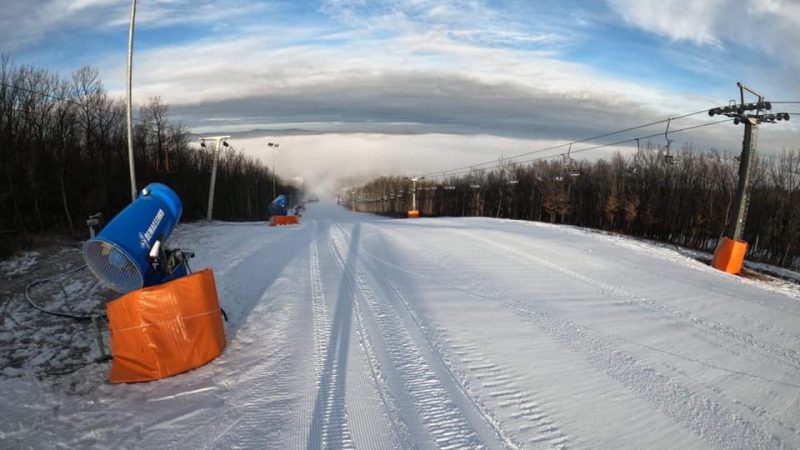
{"type": "Point", "coordinates": [284, 220]}
{"type": "Point", "coordinates": [163, 330]}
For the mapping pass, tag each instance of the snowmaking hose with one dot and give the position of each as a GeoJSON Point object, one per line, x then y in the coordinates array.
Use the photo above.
{"type": "Point", "coordinates": [68, 315]}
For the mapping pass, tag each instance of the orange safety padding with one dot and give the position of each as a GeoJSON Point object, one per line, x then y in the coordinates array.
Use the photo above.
{"type": "Point", "coordinates": [284, 220]}
{"type": "Point", "coordinates": [163, 330]}
{"type": "Point", "coordinates": [413, 213]}
{"type": "Point", "coordinates": [729, 255]}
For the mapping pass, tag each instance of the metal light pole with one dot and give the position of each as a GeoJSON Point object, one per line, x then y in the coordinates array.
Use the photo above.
{"type": "Point", "coordinates": [128, 109]}
{"type": "Point", "coordinates": [274, 146]}
{"type": "Point", "coordinates": [414, 192]}
{"type": "Point", "coordinates": [217, 141]}
{"type": "Point", "coordinates": [513, 182]}
{"type": "Point", "coordinates": [477, 197]}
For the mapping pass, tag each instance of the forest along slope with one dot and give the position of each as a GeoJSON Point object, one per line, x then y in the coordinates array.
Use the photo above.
{"type": "Point", "coordinates": [354, 331]}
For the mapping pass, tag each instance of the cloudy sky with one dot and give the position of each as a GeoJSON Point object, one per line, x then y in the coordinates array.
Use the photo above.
{"type": "Point", "coordinates": [412, 86]}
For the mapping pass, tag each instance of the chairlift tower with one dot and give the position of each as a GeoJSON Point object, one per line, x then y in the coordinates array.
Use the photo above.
{"type": "Point", "coordinates": [731, 249]}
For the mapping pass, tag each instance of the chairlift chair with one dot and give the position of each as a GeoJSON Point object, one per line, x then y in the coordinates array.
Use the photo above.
{"type": "Point", "coordinates": [637, 159]}
{"type": "Point", "coordinates": [570, 166]}
{"type": "Point", "coordinates": [669, 158]}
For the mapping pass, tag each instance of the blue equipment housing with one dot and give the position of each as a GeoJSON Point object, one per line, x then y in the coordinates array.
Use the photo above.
{"type": "Point", "coordinates": [120, 255]}
{"type": "Point", "coordinates": [278, 206]}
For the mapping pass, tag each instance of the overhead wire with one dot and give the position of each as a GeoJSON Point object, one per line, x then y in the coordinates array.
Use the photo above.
{"type": "Point", "coordinates": [492, 163]}
{"type": "Point", "coordinates": [468, 169]}
{"type": "Point", "coordinates": [578, 141]}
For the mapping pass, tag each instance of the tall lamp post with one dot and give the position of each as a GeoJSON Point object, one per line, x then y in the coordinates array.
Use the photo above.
{"type": "Point", "coordinates": [128, 108]}
{"type": "Point", "coordinates": [274, 146]}
{"type": "Point", "coordinates": [217, 141]}
{"type": "Point", "coordinates": [414, 211]}
{"type": "Point", "coordinates": [414, 193]}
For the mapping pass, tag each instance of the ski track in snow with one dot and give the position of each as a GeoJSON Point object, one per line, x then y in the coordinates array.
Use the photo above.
{"type": "Point", "coordinates": [329, 428]}
{"type": "Point", "coordinates": [352, 331]}
{"type": "Point", "coordinates": [626, 297]}
{"type": "Point", "coordinates": [719, 426]}
{"type": "Point", "coordinates": [374, 426]}
{"type": "Point", "coordinates": [541, 428]}
{"type": "Point", "coordinates": [502, 386]}
{"type": "Point", "coordinates": [439, 411]}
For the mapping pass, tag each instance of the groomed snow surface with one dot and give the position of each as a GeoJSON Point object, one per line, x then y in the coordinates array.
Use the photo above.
{"type": "Point", "coordinates": [355, 331]}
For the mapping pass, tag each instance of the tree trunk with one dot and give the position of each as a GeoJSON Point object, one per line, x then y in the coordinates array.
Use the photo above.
{"type": "Point", "coordinates": [17, 214]}
{"type": "Point", "coordinates": [66, 203]}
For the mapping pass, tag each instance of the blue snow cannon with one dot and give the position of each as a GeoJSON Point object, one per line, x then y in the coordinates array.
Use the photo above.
{"type": "Point", "coordinates": [278, 206]}
{"type": "Point", "coordinates": [129, 253]}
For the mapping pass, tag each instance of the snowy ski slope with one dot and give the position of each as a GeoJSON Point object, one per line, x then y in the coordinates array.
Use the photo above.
{"type": "Point", "coordinates": [354, 331]}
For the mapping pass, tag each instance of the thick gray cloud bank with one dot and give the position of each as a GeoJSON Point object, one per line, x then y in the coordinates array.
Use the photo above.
{"type": "Point", "coordinates": [405, 103]}
{"type": "Point", "coordinates": [422, 103]}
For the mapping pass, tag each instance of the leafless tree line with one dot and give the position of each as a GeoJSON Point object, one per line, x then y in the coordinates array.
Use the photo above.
{"type": "Point", "coordinates": [63, 156]}
{"type": "Point", "coordinates": [686, 202]}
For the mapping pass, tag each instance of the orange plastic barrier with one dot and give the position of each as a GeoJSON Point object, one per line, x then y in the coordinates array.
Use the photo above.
{"type": "Point", "coordinates": [413, 213]}
{"type": "Point", "coordinates": [164, 330]}
{"type": "Point", "coordinates": [729, 255]}
{"type": "Point", "coordinates": [284, 220]}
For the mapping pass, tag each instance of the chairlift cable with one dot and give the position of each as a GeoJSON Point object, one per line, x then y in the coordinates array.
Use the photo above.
{"type": "Point", "coordinates": [591, 138]}
{"type": "Point", "coordinates": [595, 147]}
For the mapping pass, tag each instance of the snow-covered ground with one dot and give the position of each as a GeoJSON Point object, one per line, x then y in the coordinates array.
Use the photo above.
{"type": "Point", "coordinates": [354, 331]}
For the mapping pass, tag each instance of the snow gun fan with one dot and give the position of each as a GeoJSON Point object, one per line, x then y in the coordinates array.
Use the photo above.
{"type": "Point", "coordinates": [130, 252]}
{"type": "Point", "coordinates": [278, 206]}
{"type": "Point", "coordinates": [279, 214]}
